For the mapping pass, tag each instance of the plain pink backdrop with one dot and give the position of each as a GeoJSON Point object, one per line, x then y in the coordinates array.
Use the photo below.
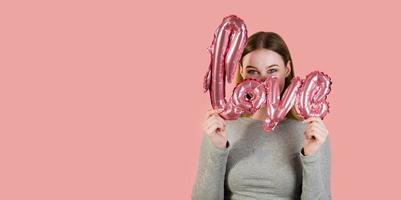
{"type": "Point", "coordinates": [103, 99]}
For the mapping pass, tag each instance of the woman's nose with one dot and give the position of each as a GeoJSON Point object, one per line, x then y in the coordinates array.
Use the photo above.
{"type": "Point", "coordinates": [263, 78]}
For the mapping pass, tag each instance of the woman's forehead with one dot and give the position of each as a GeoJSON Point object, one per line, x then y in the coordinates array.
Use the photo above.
{"type": "Point", "coordinates": [262, 58]}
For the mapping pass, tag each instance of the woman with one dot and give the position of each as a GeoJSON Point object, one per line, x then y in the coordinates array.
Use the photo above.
{"type": "Point", "coordinates": [238, 160]}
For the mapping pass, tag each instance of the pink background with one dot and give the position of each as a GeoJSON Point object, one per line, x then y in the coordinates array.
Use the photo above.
{"type": "Point", "coordinates": [103, 100]}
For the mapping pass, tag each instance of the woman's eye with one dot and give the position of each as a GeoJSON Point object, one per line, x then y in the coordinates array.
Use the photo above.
{"type": "Point", "coordinates": [270, 71]}
{"type": "Point", "coordinates": [252, 72]}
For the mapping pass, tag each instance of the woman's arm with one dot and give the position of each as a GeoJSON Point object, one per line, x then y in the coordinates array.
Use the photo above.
{"type": "Point", "coordinates": [209, 184]}
{"type": "Point", "coordinates": [316, 173]}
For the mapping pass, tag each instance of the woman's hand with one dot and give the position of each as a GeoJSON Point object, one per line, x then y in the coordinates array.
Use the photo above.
{"type": "Point", "coordinates": [214, 127]}
{"type": "Point", "coordinates": [315, 134]}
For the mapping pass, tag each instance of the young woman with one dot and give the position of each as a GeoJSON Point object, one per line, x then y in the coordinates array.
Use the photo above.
{"type": "Point", "coordinates": [238, 160]}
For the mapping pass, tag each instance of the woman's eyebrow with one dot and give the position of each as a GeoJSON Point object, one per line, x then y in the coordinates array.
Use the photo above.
{"type": "Point", "coordinates": [272, 66]}
{"type": "Point", "coordinates": [249, 66]}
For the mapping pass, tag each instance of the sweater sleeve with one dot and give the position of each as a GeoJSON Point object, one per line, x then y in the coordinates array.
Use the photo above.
{"type": "Point", "coordinates": [316, 173]}
{"type": "Point", "coordinates": [209, 183]}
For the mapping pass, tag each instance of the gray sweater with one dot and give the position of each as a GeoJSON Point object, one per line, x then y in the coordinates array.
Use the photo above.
{"type": "Point", "coordinates": [260, 165]}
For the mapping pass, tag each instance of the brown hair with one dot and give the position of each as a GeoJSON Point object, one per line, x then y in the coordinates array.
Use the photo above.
{"type": "Point", "coordinates": [274, 42]}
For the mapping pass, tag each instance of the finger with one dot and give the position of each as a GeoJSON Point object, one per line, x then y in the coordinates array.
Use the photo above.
{"type": "Point", "coordinates": [311, 119]}
{"type": "Point", "coordinates": [218, 123]}
{"type": "Point", "coordinates": [212, 121]}
{"type": "Point", "coordinates": [315, 124]}
{"type": "Point", "coordinates": [206, 125]}
{"type": "Point", "coordinates": [216, 117]}
{"type": "Point", "coordinates": [315, 132]}
{"type": "Point", "coordinates": [322, 131]}
{"type": "Point", "coordinates": [223, 133]}
{"type": "Point", "coordinates": [318, 138]}
{"type": "Point", "coordinates": [222, 125]}
{"type": "Point", "coordinates": [208, 113]}
{"type": "Point", "coordinates": [320, 122]}
{"type": "Point", "coordinates": [308, 120]}
{"type": "Point", "coordinates": [213, 129]}
{"type": "Point", "coordinates": [210, 130]}
{"type": "Point", "coordinates": [310, 125]}
{"type": "Point", "coordinates": [309, 132]}
{"type": "Point", "coordinates": [320, 127]}
{"type": "Point", "coordinates": [312, 134]}
{"type": "Point", "coordinates": [219, 118]}
{"type": "Point", "coordinates": [207, 122]}
{"type": "Point", "coordinates": [309, 135]}
{"type": "Point", "coordinates": [213, 111]}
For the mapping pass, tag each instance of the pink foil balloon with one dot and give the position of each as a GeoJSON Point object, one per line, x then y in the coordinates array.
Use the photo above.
{"type": "Point", "coordinates": [249, 95]}
{"type": "Point", "coordinates": [278, 108]}
{"type": "Point", "coordinates": [228, 44]}
{"type": "Point", "coordinates": [311, 99]}
{"type": "Point", "coordinates": [308, 96]}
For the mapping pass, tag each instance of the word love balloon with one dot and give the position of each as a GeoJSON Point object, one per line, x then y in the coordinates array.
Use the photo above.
{"type": "Point", "coordinates": [308, 95]}
{"type": "Point", "coordinates": [228, 43]}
